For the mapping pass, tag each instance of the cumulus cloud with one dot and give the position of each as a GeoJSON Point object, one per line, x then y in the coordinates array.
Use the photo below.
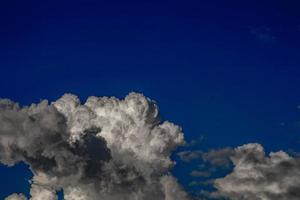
{"type": "Point", "coordinates": [257, 176]}
{"type": "Point", "coordinates": [106, 148]}
{"type": "Point", "coordinates": [254, 176]}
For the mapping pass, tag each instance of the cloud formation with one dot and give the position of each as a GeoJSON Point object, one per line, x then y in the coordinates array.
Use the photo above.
{"type": "Point", "coordinates": [106, 148]}
{"type": "Point", "coordinates": [257, 176]}
{"type": "Point", "coordinates": [115, 149]}
{"type": "Point", "coordinates": [254, 176]}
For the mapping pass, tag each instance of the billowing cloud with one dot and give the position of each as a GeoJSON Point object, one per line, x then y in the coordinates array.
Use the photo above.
{"type": "Point", "coordinates": [257, 176]}
{"type": "Point", "coordinates": [106, 148]}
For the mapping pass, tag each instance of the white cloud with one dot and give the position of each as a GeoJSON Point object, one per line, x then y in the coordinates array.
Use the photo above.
{"type": "Point", "coordinates": [106, 148]}
{"type": "Point", "coordinates": [16, 197]}
{"type": "Point", "coordinates": [261, 177]}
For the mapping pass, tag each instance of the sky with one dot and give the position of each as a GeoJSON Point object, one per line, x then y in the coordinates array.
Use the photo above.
{"type": "Point", "coordinates": [227, 72]}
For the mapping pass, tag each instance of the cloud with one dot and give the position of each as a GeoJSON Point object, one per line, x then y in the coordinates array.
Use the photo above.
{"type": "Point", "coordinates": [16, 197]}
{"type": "Point", "coordinates": [197, 173]}
{"type": "Point", "coordinates": [106, 148]}
{"type": "Point", "coordinates": [216, 157]}
{"type": "Point", "coordinates": [188, 156]}
{"type": "Point", "coordinates": [219, 157]}
{"type": "Point", "coordinates": [258, 176]}
{"type": "Point", "coordinates": [195, 142]}
{"type": "Point", "coordinates": [262, 33]}
{"type": "Point", "coordinates": [254, 176]}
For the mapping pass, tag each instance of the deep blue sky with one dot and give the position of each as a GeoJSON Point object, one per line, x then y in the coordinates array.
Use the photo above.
{"type": "Point", "coordinates": [225, 70]}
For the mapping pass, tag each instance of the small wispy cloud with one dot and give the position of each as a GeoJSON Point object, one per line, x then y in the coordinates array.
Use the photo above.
{"type": "Point", "coordinates": [188, 156]}
{"type": "Point", "coordinates": [197, 173]}
{"type": "Point", "coordinates": [262, 33]}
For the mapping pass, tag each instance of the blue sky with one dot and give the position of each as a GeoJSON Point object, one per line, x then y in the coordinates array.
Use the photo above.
{"type": "Point", "coordinates": [227, 71]}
